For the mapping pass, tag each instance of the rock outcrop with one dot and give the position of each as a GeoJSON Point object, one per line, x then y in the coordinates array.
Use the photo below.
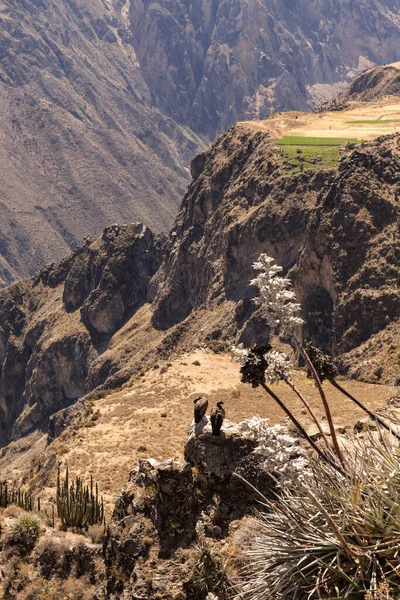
{"type": "Point", "coordinates": [371, 86]}
{"type": "Point", "coordinates": [334, 232]}
{"type": "Point", "coordinates": [166, 507]}
{"type": "Point", "coordinates": [56, 325]}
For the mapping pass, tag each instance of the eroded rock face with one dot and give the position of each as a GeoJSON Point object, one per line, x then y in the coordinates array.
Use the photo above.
{"type": "Point", "coordinates": [334, 232]}
{"type": "Point", "coordinates": [167, 506]}
{"type": "Point", "coordinates": [82, 143]}
{"type": "Point", "coordinates": [102, 103]}
{"type": "Point", "coordinates": [53, 324]}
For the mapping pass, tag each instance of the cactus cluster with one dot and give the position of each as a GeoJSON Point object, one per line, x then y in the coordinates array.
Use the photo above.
{"type": "Point", "coordinates": [78, 505]}
{"type": "Point", "coordinates": [18, 497]}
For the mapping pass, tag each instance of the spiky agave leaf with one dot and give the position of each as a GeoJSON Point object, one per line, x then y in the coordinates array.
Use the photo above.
{"type": "Point", "coordinates": [336, 536]}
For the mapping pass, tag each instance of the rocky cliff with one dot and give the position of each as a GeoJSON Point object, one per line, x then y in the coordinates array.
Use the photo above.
{"type": "Point", "coordinates": [211, 63]}
{"type": "Point", "coordinates": [335, 232]}
{"type": "Point", "coordinates": [101, 102]}
{"type": "Point", "coordinates": [87, 322]}
{"type": "Point", "coordinates": [172, 532]}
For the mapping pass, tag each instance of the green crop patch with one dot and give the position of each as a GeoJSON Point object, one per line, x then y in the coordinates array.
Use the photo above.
{"type": "Point", "coordinates": [373, 122]}
{"type": "Point", "coordinates": [300, 153]}
{"type": "Point", "coordinates": [299, 140]}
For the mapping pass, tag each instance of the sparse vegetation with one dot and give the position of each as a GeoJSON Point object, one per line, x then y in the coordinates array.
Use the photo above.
{"type": "Point", "coordinates": [210, 574]}
{"type": "Point", "coordinates": [334, 536]}
{"type": "Point", "coordinates": [25, 533]}
{"type": "Point", "coordinates": [77, 505]}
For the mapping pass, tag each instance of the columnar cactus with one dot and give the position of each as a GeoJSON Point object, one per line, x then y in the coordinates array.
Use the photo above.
{"type": "Point", "coordinates": [78, 505]}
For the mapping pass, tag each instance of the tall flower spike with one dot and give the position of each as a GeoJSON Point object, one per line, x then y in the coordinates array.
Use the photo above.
{"type": "Point", "coordinates": [279, 367]}
{"type": "Point", "coordinates": [276, 298]}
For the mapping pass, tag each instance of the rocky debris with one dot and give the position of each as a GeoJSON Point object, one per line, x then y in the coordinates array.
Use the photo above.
{"type": "Point", "coordinates": [315, 434]}
{"type": "Point", "coordinates": [167, 506]}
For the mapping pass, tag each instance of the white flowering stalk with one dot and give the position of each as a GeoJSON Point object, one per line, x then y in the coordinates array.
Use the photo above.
{"type": "Point", "coordinates": [277, 302]}
{"type": "Point", "coordinates": [211, 596]}
{"type": "Point", "coordinates": [240, 354]}
{"type": "Point", "coordinates": [279, 367]}
{"type": "Point", "coordinates": [282, 453]}
{"type": "Point", "coordinates": [276, 298]}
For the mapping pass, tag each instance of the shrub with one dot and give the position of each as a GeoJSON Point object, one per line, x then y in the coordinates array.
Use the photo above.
{"type": "Point", "coordinates": [334, 536]}
{"type": "Point", "coordinates": [25, 533]}
{"type": "Point", "coordinates": [209, 575]}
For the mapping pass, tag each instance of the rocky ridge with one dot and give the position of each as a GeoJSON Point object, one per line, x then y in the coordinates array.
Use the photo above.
{"type": "Point", "coordinates": [87, 322]}
{"type": "Point", "coordinates": [369, 87]}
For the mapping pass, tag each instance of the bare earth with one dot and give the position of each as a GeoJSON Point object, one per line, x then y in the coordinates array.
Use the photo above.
{"type": "Point", "coordinates": [151, 418]}
{"type": "Point", "coordinates": [338, 123]}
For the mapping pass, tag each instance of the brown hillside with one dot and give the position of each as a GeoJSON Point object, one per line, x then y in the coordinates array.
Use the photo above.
{"type": "Point", "coordinates": [87, 322]}
{"type": "Point", "coordinates": [81, 144]}
{"type": "Point", "coordinates": [97, 99]}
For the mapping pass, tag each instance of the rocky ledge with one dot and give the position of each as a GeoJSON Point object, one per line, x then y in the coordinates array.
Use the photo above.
{"type": "Point", "coordinates": [169, 513]}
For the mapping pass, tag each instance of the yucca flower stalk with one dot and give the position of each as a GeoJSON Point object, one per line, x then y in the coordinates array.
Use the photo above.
{"type": "Point", "coordinates": [257, 371]}
{"type": "Point", "coordinates": [277, 304]}
{"type": "Point", "coordinates": [279, 368]}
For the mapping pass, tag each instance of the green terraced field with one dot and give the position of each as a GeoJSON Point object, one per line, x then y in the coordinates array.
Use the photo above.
{"type": "Point", "coordinates": [301, 153]}
{"type": "Point", "coordinates": [372, 122]}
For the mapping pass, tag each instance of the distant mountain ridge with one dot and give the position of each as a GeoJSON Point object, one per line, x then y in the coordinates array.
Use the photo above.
{"type": "Point", "coordinates": [209, 64]}
{"type": "Point", "coordinates": [102, 103]}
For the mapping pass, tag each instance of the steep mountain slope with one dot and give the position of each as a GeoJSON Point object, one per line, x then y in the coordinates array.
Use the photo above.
{"type": "Point", "coordinates": [211, 63]}
{"type": "Point", "coordinates": [370, 86]}
{"type": "Point", "coordinates": [81, 145]}
{"type": "Point", "coordinates": [96, 99]}
{"type": "Point", "coordinates": [87, 322]}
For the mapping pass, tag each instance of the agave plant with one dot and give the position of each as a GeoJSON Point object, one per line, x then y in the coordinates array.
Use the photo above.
{"type": "Point", "coordinates": [336, 537]}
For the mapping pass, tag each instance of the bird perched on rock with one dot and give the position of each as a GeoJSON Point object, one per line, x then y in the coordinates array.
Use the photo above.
{"type": "Point", "coordinates": [200, 408]}
{"type": "Point", "coordinates": [217, 418]}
